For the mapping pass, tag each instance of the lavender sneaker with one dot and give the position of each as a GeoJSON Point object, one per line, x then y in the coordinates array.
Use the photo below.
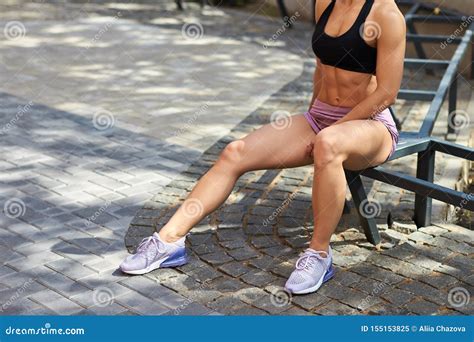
{"type": "Point", "coordinates": [153, 253]}
{"type": "Point", "coordinates": [312, 270]}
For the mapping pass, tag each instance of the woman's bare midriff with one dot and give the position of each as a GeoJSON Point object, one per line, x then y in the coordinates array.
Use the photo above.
{"type": "Point", "coordinates": [344, 88]}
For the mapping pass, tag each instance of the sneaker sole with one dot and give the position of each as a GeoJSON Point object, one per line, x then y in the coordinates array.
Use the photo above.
{"type": "Point", "coordinates": [327, 276]}
{"type": "Point", "coordinates": [159, 264]}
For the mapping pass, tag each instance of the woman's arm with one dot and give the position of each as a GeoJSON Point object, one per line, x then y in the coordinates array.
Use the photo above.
{"type": "Point", "coordinates": [316, 82]}
{"type": "Point", "coordinates": [390, 60]}
{"type": "Point", "coordinates": [321, 5]}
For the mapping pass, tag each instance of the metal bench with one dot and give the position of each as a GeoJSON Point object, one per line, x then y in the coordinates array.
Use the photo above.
{"type": "Point", "coordinates": [421, 142]}
{"type": "Point", "coordinates": [179, 4]}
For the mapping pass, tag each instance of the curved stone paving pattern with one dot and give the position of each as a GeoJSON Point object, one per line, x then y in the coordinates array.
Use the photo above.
{"type": "Point", "coordinates": [243, 252]}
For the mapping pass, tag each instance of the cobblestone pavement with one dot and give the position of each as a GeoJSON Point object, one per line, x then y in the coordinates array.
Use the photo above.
{"type": "Point", "coordinates": [71, 184]}
{"type": "Point", "coordinates": [243, 252]}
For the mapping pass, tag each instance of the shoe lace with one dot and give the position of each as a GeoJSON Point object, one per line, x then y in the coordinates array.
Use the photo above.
{"type": "Point", "coordinates": [307, 260]}
{"type": "Point", "coordinates": [144, 246]}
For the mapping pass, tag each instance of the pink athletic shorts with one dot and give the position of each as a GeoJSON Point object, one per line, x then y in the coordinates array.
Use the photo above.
{"type": "Point", "coordinates": [322, 115]}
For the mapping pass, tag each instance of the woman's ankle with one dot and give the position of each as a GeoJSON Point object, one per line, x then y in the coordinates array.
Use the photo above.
{"type": "Point", "coordinates": [319, 246]}
{"type": "Point", "coordinates": [169, 237]}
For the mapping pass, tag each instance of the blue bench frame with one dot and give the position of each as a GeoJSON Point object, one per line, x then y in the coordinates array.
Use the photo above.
{"type": "Point", "coordinates": [421, 142]}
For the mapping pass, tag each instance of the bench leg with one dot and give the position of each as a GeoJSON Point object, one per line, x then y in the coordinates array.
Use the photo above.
{"type": "Point", "coordinates": [424, 170]}
{"type": "Point", "coordinates": [359, 196]}
{"type": "Point", "coordinates": [284, 12]}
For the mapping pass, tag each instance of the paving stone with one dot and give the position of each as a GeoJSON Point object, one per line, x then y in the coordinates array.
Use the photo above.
{"type": "Point", "coordinates": [278, 251]}
{"type": "Point", "coordinates": [265, 263]}
{"type": "Point", "coordinates": [227, 304]}
{"type": "Point", "coordinates": [225, 284]}
{"type": "Point", "coordinates": [183, 284]}
{"type": "Point", "coordinates": [216, 258]}
{"type": "Point", "coordinates": [422, 307]}
{"type": "Point", "coordinates": [310, 301]}
{"type": "Point", "coordinates": [405, 251]}
{"type": "Point", "coordinates": [264, 241]}
{"type": "Point", "coordinates": [346, 278]}
{"type": "Point", "coordinates": [204, 273]}
{"type": "Point", "coordinates": [258, 278]}
{"type": "Point", "coordinates": [234, 269]}
{"type": "Point", "coordinates": [433, 230]}
{"type": "Point", "coordinates": [335, 308]}
{"type": "Point", "coordinates": [22, 306]}
{"type": "Point", "coordinates": [192, 309]}
{"type": "Point", "coordinates": [387, 309]}
{"type": "Point", "coordinates": [334, 290]}
{"type": "Point", "coordinates": [141, 304]}
{"type": "Point", "coordinates": [271, 305]}
{"type": "Point", "coordinates": [250, 294]}
{"type": "Point", "coordinates": [234, 244]}
{"type": "Point", "coordinates": [424, 291]}
{"type": "Point", "coordinates": [70, 268]}
{"type": "Point", "coordinates": [372, 287]}
{"type": "Point", "coordinates": [244, 253]}
{"type": "Point", "coordinates": [146, 287]}
{"type": "Point", "coordinates": [249, 311]}
{"type": "Point", "coordinates": [397, 297]}
{"type": "Point", "coordinates": [464, 236]}
{"type": "Point", "coordinates": [56, 303]}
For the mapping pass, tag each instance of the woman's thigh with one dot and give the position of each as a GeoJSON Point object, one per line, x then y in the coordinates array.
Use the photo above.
{"type": "Point", "coordinates": [276, 146]}
{"type": "Point", "coordinates": [363, 143]}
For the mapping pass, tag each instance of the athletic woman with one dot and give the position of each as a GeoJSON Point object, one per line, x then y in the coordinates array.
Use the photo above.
{"type": "Point", "coordinates": [360, 48]}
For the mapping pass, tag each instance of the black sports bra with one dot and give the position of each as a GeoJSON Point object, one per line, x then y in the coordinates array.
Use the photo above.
{"type": "Point", "coordinates": [348, 51]}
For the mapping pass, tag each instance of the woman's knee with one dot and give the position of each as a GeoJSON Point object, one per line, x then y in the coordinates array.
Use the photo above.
{"type": "Point", "coordinates": [232, 155]}
{"type": "Point", "coordinates": [327, 148]}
